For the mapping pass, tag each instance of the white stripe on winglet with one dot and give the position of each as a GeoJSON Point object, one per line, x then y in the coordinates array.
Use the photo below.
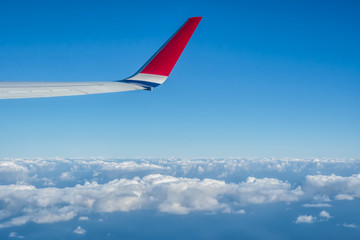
{"type": "Point", "coordinates": [149, 78]}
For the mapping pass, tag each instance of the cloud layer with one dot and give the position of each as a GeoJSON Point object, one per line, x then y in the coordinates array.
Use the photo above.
{"type": "Point", "coordinates": [166, 193]}
{"type": "Point", "coordinates": [53, 190]}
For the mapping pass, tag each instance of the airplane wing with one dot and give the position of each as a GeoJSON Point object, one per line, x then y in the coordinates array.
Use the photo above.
{"type": "Point", "coordinates": [152, 74]}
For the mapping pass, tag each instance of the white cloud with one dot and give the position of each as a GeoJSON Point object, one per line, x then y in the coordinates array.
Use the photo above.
{"type": "Point", "coordinates": [11, 167]}
{"type": "Point", "coordinates": [57, 216]}
{"type": "Point", "coordinates": [151, 184]}
{"type": "Point", "coordinates": [79, 230]}
{"type": "Point", "coordinates": [305, 219]}
{"type": "Point", "coordinates": [351, 225]}
{"type": "Point", "coordinates": [40, 216]}
{"type": "Point", "coordinates": [333, 186]}
{"type": "Point", "coordinates": [224, 167]}
{"type": "Point", "coordinates": [11, 172]}
{"type": "Point", "coordinates": [325, 214]}
{"type": "Point", "coordinates": [66, 176]}
{"type": "Point", "coordinates": [241, 211]}
{"type": "Point", "coordinates": [173, 207]}
{"type": "Point", "coordinates": [316, 205]}
{"type": "Point", "coordinates": [344, 197]}
{"type": "Point", "coordinates": [15, 235]}
{"type": "Point", "coordinates": [166, 193]}
{"type": "Point", "coordinates": [83, 218]}
{"type": "Point", "coordinates": [129, 166]}
{"type": "Point", "coordinates": [265, 190]}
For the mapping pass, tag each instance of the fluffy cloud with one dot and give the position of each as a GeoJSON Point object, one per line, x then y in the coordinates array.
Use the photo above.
{"type": "Point", "coordinates": [46, 171]}
{"type": "Point", "coordinates": [166, 193]}
{"type": "Point", "coordinates": [241, 211]}
{"type": "Point", "coordinates": [351, 225]}
{"type": "Point", "coordinates": [53, 190]}
{"type": "Point", "coordinates": [266, 190]}
{"type": "Point", "coordinates": [329, 187]}
{"type": "Point", "coordinates": [12, 172]}
{"type": "Point", "coordinates": [344, 197]}
{"type": "Point", "coordinates": [325, 214]}
{"type": "Point", "coordinates": [129, 166]}
{"type": "Point", "coordinates": [15, 235]}
{"type": "Point", "coordinates": [79, 230]}
{"type": "Point", "coordinates": [305, 219]}
{"type": "Point", "coordinates": [316, 205]}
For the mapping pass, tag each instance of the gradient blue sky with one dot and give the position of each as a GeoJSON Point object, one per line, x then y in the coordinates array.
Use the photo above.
{"type": "Point", "coordinates": [258, 78]}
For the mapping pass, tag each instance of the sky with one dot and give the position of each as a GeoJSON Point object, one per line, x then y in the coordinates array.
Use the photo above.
{"type": "Point", "coordinates": [255, 134]}
{"type": "Point", "coordinates": [257, 79]}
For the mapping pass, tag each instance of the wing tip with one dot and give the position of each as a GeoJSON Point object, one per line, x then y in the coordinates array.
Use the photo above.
{"type": "Point", "coordinates": [157, 69]}
{"type": "Point", "coordinates": [195, 18]}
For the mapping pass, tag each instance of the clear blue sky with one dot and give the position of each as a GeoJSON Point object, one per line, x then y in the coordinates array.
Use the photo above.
{"type": "Point", "coordinates": [258, 78]}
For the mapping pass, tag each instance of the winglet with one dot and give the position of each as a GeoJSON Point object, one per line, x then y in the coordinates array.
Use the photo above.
{"type": "Point", "coordinates": [156, 70]}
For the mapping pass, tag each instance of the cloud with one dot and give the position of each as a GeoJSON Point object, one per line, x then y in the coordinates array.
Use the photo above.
{"type": "Point", "coordinates": [167, 194]}
{"type": "Point", "coordinates": [66, 176]}
{"type": "Point", "coordinates": [12, 172]}
{"type": "Point", "coordinates": [329, 187]}
{"type": "Point", "coordinates": [305, 219]}
{"type": "Point", "coordinates": [325, 214]}
{"type": "Point", "coordinates": [316, 205]}
{"type": "Point", "coordinates": [15, 235]}
{"type": "Point", "coordinates": [241, 211]}
{"type": "Point", "coordinates": [54, 190]}
{"type": "Point", "coordinates": [79, 230]}
{"type": "Point", "coordinates": [344, 197]}
{"type": "Point", "coordinates": [266, 190]}
{"type": "Point", "coordinates": [11, 167]}
{"type": "Point", "coordinates": [31, 170]}
{"type": "Point", "coordinates": [40, 216]}
{"type": "Point", "coordinates": [83, 218]}
{"type": "Point", "coordinates": [351, 225]}
{"type": "Point", "coordinates": [129, 166]}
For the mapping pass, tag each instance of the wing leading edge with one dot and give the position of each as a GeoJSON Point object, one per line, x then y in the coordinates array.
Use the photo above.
{"type": "Point", "coordinates": [152, 74]}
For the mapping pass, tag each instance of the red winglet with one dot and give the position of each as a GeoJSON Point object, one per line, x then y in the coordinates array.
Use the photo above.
{"type": "Point", "coordinates": [165, 59]}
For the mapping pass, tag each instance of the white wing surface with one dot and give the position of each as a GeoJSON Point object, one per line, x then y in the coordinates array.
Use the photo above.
{"type": "Point", "coordinates": [55, 89]}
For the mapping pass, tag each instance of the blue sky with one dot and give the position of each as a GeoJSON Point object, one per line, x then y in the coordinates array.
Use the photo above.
{"type": "Point", "coordinates": [258, 79]}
